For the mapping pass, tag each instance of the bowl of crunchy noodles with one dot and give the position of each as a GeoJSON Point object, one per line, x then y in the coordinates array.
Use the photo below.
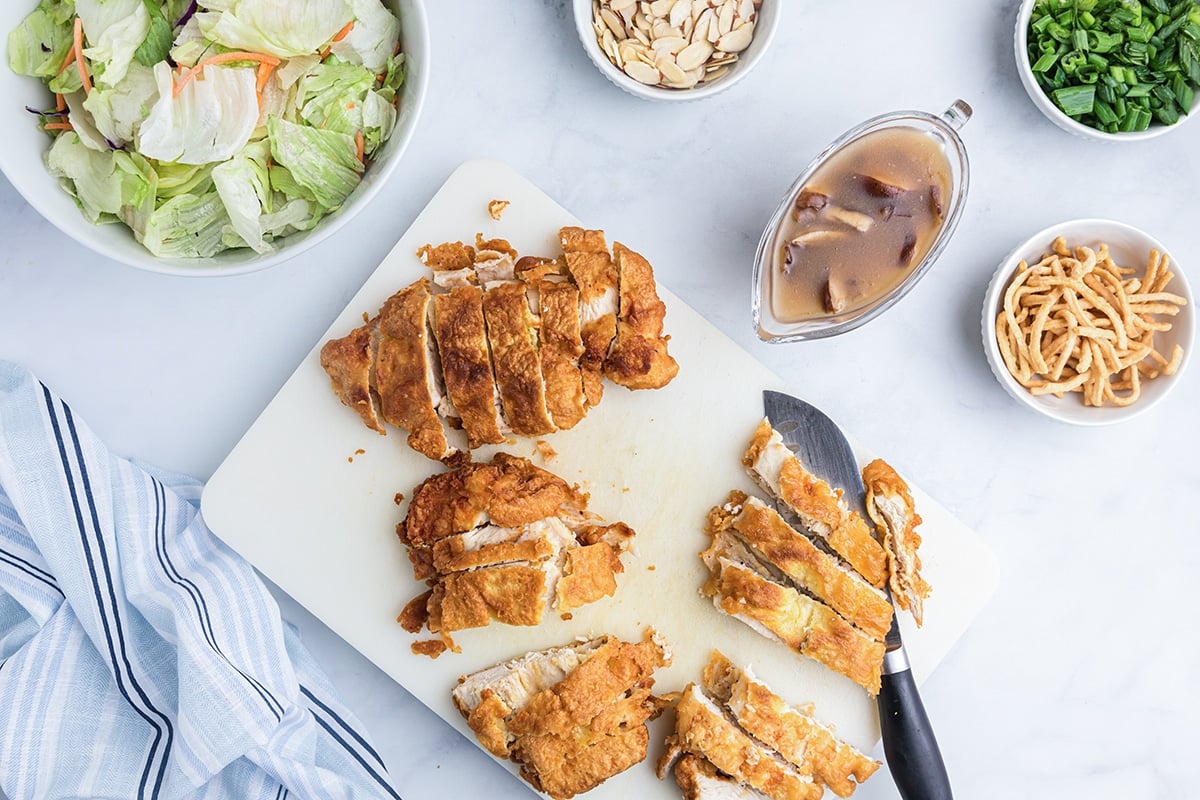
{"type": "Point", "coordinates": [1088, 322]}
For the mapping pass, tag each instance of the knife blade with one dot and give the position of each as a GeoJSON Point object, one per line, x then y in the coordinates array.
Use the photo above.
{"type": "Point", "coordinates": [909, 744]}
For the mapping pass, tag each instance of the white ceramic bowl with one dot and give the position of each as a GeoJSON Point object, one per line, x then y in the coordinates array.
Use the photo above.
{"type": "Point", "coordinates": [21, 160]}
{"type": "Point", "coordinates": [764, 31]}
{"type": "Point", "coordinates": [1130, 247]}
{"type": "Point", "coordinates": [1054, 113]}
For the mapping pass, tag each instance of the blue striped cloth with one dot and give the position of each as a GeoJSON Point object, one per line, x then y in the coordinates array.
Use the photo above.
{"type": "Point", "coordinates": [139, 656]}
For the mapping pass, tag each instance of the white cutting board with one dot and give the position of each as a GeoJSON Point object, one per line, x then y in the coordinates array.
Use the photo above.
{"type": "Point", "coordinates": [317, 518]}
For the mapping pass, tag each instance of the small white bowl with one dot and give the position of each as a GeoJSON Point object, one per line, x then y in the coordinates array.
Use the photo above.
{"type": "Point", "coordinates": [765, 27]}
{"type": "Point", "coordinates": [1130, 247]}
{"type": "Point", "coordinates": [22, 161]}
{"type": "Point", "coordinates": [1054, 113]}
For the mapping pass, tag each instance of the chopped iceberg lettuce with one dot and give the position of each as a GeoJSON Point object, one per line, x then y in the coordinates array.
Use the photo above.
{"type": "Point", "coordinates": [113, 31]}
{"type": "Point", "coordinates": [209, 120]}
{"type": "Point", "coordinates": [322, 161]}
{"type": "Point", "coordinates": [39, 45]}
{"type": "Point", "coordinates": [188, 226]}
{"type": "Point", "coordinates": [282, 28]}
{"type": "Point", "coordinates": [118, 111]}
{"type": "Point", "coordinates": [103, 183]}
{"type": "Point", "coordinates": [241, 183]}
{"type": "Point", "coordinates": [372, 40]}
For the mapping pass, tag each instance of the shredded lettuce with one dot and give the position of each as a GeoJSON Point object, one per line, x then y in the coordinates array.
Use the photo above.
{"type": "Point", "coordinates": [197, 153]}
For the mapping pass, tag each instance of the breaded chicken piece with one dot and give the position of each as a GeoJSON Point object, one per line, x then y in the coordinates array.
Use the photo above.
{"type": "Point", "coordinates": [819, 506]}
{"type": "Point", "coordinates": [702, 728]}
{"type": "Point", "coordinates": [810, 568]}
{"type": "Point", "coordinates": [350, 364]}
{"type": "Point", "coordinates": [571, 717]}
{"type": "Point", "coordinates": [458, 327]}
{"type": "Point", "coordinates": [790, 731]}
{"type": "Point", "coordinates": [449, 256]}
{"type": "Point", "coordinates": [512, 334]}
{"type": "Point", "coordinates": [890, 506]}
{"type": "Point", "coordinates": [638, 358]}
{"type": "Point", "coordinates": [698, 779]}
{"type": "Point", "coordinates": [514, 594]}
{"type": "Point", "coordinates": [404, 373]}
{"type": "Point", "coordinates": [745, 588]}
{"type": "Point", "coordinates": [508, 492]}
{"type": "Point", "coordinates": [593, 270]}
{"type": "Point", "coordinates": [561, 350]}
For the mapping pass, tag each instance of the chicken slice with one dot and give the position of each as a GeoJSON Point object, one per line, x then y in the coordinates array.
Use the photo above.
{"type": "Point", "coordinates": [594, 272]}
{"type": "Point", "coordinates": [350, 364]}
{"type": "Point", "coordinates": [403, 373]}
{"type": "Point", "coordinates": [638, 358]}
{"type": "Point", "coordinates": [790, 731]}
{"type": "Point", "coordinates": [571, 717]}
{"type": "Point", "coordinates": [507, 492]}
{"type": "Point", "coordinates": [514, 594]}
{"type": "Point", "coordinates": [811, 569]}
{"type": "Point", "coordinates": [698, 779]}
{"type": "Point", "coordinates": [820, 507]}
{"type": "Point", "coordinates": [561, 350]}
{"type": "Point", "coordinates": [461, 337]}
{"type": "Point", "coordinates": [703, 729]}
{"type": "Point", "coordinates": [512, 335]}
{"type": "Point", "coordinates": [744, 588]}
{"type": "Point", "coordinates": [890, 506]}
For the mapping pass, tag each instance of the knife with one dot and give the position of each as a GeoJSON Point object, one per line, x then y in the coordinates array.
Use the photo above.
{"type": "Point", "coordinates": [908, 741]}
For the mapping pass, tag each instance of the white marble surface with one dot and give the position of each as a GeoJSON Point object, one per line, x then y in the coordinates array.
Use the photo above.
{"type": "Point", "coordinates": [1075, 682]}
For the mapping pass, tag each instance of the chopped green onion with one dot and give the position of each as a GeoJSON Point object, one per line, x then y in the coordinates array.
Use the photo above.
{"type": "Point", "coordinates": [1075, 101]}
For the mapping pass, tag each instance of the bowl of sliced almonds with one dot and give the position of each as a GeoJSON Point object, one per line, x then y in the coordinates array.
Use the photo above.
{"type": "Point", "coordinates": [675, 49]}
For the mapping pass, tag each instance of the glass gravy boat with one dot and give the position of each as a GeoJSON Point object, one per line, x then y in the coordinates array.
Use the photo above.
{"type": "Point", "coordinates": [944, 129]}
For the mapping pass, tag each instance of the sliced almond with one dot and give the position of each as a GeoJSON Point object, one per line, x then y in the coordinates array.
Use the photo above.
{"type": "Point", "coordinates": [661, 29]}
{"type": "Point", "coordinates": [661, 8]}
{"type": "Point", "coordinates": [621, 5]}
{"type": "Point", "coordinates": [725, 17]}
{"type": "Point", "coordinates": [669, 44]}
{"type": "Point", "coordinates": [641, 36]}
{"type": "Point", "coordinates": [614, 23]}
{"type": "Point", "coordinates": [681, 11]}
{"type": "Point", "coordinates": [736, 41]}
{"type": "Point", "coordinates": [643, 73]}
{"type": "Point", "coordinates": [746, 9]}
{"type": "Point", "coordinates": [669, 69]}
{"type": "Point", "coordinates": [716, 74]}
{"type": "Point", "coordinates": [694, 55]}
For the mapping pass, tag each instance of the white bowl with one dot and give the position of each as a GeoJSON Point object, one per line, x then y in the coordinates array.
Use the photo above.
{"type": "Point", "coordinates": [1054, 113]}
{"type": "Point", "coordinates": [1130, 247]}
{"type": "Point", "coordinates": [21, 160]}
{"type": "Point", "coordinates": [764, 31]}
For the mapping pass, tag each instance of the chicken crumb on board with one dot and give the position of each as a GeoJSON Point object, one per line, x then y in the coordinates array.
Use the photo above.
{"type": "Point", "coordinates": [547, 452]}
{"type": "Point", "coordinates": [496, 208]}
{"type": "Point", "coordinates": [399, 498]}
{"type": "Point", "coordinates": [430, 647]}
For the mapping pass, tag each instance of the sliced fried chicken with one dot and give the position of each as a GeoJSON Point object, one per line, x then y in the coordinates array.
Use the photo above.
{"type": "Point", "coordinates": [593, 270]}
{"type": "Point", "coordinates": [561, 350]}
{"type": "Point", "coordinates": [461, 336]}
{"type": "Point", "coordinates": [404, 374]}
{"type": "Point", "coordinates": [890, 506]}
{"type": "Point", "coordinates": [350, 364]}
{"type": "Point", "coordinates": [512, 334]}
{"type": "Point", "coordinates": [638, 358]}
{"type": "Point", "coordinates": [820, 507]}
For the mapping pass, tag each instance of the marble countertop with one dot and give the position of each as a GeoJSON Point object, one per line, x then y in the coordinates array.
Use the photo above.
{"type": "Point", "coordinates": [1074, 681]}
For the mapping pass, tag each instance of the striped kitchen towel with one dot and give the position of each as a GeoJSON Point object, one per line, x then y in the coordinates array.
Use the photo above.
{"type": "Point", "coordinates": [139, 656]}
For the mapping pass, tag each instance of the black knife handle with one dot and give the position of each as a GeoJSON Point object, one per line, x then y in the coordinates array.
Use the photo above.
{"type": "Point", "coordinates": [908, 742]}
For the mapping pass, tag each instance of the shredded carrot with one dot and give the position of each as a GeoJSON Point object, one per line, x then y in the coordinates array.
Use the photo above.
{"type": "Point", "coordinates": [342, 34]}
{"type": "Point", "coordinates": [60, 103]}
{"type": "Point", "coordinates": [58, 126]}
{"type": "Point", "coordinates": [79, 59]}
{"type": "Point", "coordinates": [350, 106]}
{"type": "Point", "coordinates": [223, 58]}
{"type": "Point", "coordinates": [264, 75]}
{"type": "Point", "coordinates": [360, 147]}
{"type": "Point", "coordinates": [68, 61]}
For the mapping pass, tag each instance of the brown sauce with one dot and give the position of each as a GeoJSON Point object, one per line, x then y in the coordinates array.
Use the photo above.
{"type": "Point", "coordinates": [863, 222]}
